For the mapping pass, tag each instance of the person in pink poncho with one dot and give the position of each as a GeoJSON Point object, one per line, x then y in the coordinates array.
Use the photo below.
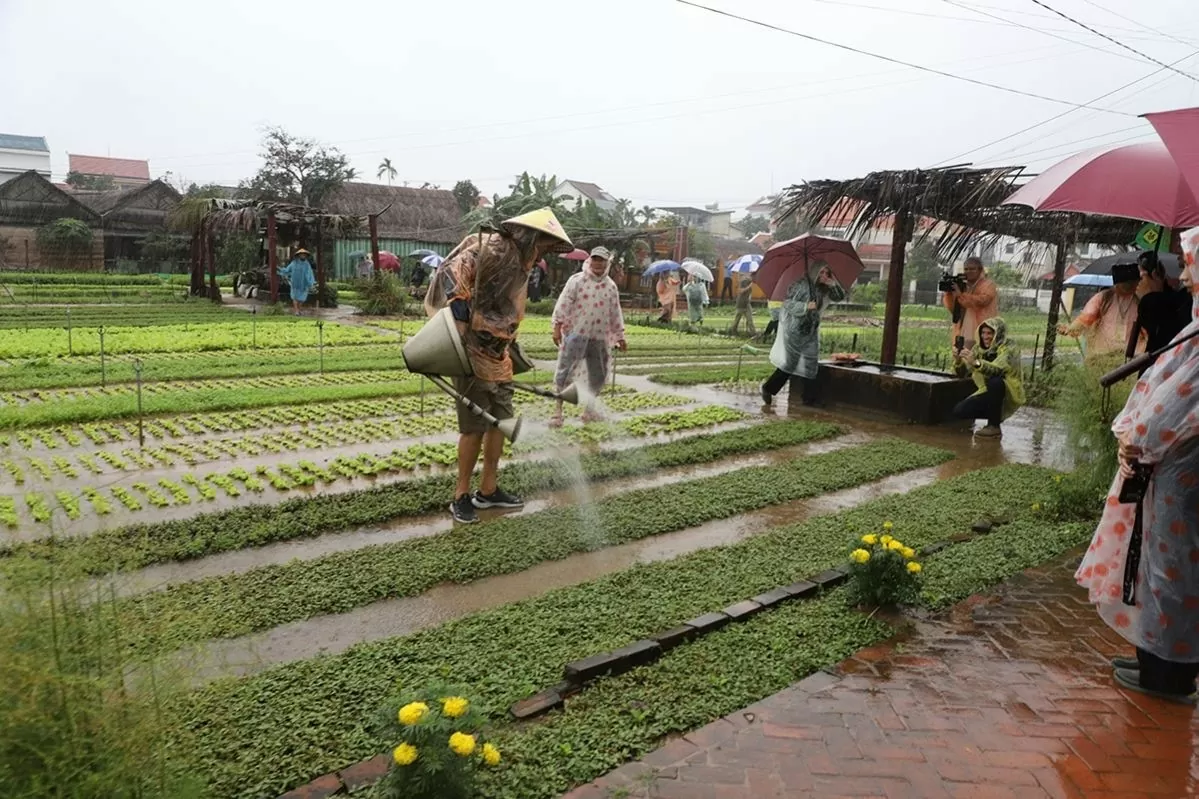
{"type": "Point", "coordinates": [588, 323]}
{"type": "Point", "coordinates": [1142, 568]}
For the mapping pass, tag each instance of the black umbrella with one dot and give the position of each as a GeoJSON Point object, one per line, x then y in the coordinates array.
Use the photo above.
{"type": "Point", "coordinates": [1103, 266]}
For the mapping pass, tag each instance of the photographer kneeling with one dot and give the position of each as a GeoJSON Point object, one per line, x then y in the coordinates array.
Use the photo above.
{"type": "Point", "coordinates": [995, 368]}
{"type": "Point", "coordinates": [969, 301]}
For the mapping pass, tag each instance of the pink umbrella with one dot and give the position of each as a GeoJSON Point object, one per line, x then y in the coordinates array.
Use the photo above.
{"type": "Point", "coordinates": [787, 262]}
{"type": "Point", "coordinates": [1179, 130]}
{"type": "Point", "coordinates": [388, 262]}
{"type": "Point", "coordinates": [577, 255]}
{"type": "Point", "coordinates": [1136, 181]}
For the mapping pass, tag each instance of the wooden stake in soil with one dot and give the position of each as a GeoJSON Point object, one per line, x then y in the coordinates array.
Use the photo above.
{"type": "Point", "coordinates": [141, 433]}
{"type": "Point", "coordinates": [103, 370]}
{"type": "Point", "coordinates": [320, 342]}
{"type": "Point", "coordinates": [70, 342]}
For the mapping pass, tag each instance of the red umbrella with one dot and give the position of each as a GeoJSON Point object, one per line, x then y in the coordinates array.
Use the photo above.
{"type": "Point", "coordinates": [787, 262]}
{"type": "Point", "coordinates": [1135, 181]}
{"type": "Point", "coordinates": [1179, 130]}
{"type": "Point", "coordinates": [577, 255]}
{"type": "Point", "coordinates": [388, 261]}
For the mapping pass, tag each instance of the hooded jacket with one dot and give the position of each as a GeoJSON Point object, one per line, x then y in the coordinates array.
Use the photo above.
{"type": "Point", "coordinates": [1002, 358]}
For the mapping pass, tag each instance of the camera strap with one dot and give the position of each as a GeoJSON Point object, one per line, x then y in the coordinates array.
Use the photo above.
{"type": "Point", "coordinates": [1132, 563]}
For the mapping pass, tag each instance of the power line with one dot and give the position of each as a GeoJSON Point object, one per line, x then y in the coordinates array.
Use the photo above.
{"type": "Point", "coordinates": [1069, 147]}
{"type": "Point", "coordinates": [1138, 23]}
{"type": "Point", "coordinates": [1112, 40]}
{"type": "Point", "coordinates": [614, 110]}
{"type": "Point", "coordinates": [900, 62]}
{"type": "Point", "coordinates": [1041, 31]}
{"type": "Point", "coordinates": [1055, 117]}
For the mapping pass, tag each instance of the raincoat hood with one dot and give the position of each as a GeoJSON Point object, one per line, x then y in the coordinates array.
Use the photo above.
{"type": "Point", "coordinates": [602, 276]}
{"type": "Point", "coordinates": [1000, 328]}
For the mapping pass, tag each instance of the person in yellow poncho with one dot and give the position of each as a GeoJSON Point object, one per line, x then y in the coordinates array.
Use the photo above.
{"type": "Point", "coordinates": [995, 368]}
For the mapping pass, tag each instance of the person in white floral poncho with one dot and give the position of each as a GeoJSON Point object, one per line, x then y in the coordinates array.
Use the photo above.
{"type": "Point", "coordinates": [588, 323]}
{"type": "Point", "coordinates": [1142, 568]}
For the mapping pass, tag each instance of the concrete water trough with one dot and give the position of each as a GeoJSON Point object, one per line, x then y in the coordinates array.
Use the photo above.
{"type": "Point", "coordinates": [893, 393]}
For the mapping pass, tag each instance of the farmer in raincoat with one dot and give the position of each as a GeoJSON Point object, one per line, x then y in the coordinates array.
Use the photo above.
{"type": "Point", "coordinates": [796, 350]}
{"type": "Point", "coordinates": [1142, 568]}
{"type": "Point", "coordinates": [484, 281]}
{"type": "Point", "coordinates": [697, 299]}
{"type": "Point", "coordinates": [588, 323]}
{"type": "Point", "coordinates": [745, 308]}
{"type": "Point", "coordinates": [298, 274]}
{"type": "Point", "coordinates": [668, 290]}
{"type": "Point", "coordinates": [776, 311]}
{"type": "Point", "coordinates": [994, 364]}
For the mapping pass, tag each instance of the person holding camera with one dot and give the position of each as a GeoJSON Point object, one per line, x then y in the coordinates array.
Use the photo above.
{"type": "Point", "coordinates": [1162, 311]}
{"type": "Point", "coordinates": [1142, 568]}
{"type": "Point", "coordinates": [970, 301]}
{"type": "Point", "coordinates": [995, 368]}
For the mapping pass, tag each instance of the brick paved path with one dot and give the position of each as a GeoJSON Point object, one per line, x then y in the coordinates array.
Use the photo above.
{"type": "Point", "coordinates": [1007, 696]}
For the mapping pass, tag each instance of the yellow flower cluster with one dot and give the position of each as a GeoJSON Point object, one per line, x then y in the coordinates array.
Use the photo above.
{"type": "Point", "coordinates": [454, 707]}
{"type": "Point", "coordinates": [887, 543]}
{"type": "Point", "coordinates": [412, 713]}
{"type": "Point", "coordinates": [462, 744]}
{"type": "Point", "coordinates": [405, 754]}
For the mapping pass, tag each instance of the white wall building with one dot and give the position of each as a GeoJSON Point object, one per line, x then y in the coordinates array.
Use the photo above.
{"type": "Point", "coordinates": [19, 154]}
{"type": "Point", "coordinates": [572, 191]}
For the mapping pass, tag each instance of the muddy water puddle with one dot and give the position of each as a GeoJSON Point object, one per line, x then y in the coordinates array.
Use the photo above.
{"type": "Point", "coordinates": [241, 561]}
{"type": "Point", "coordinates": [336, 633]}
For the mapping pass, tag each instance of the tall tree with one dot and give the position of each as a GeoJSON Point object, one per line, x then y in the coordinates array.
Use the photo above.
{"type": "Point", "coordinates": [299, 170]}
{"type": "Point", "coordinates": [385, 168]}
{"type": "Point", "coordinates": [646, 214]}
{"type": "Point", "coordinates": [922, 262]}
{"type": "Point", "coordinates": [467, 195]}
{"type": "Point", "coordinates": [752, 225]}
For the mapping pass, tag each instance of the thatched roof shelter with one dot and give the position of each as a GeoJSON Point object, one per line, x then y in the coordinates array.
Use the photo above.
{"type": "Point", "coordinates": [207, 217]}
{"type": "Point", "coordinates": [427, 215]}
{"type": "Point", "coordinates": [969, 203]}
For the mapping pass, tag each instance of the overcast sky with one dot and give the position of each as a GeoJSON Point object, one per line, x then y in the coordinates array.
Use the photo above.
{"type": "Point", "coordinates": [655, 101]}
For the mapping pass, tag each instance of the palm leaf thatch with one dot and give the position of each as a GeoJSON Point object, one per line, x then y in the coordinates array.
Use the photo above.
{"type": "Point", "coordinates": [966, 201]}
{"type": "Point", "coordinates": [952, 195]}
{"type": "Point", "coordinates": [222, 215]}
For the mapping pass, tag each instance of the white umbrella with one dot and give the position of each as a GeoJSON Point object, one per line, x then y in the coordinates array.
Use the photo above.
{"type": "Point", "coordinates": [698, 269]}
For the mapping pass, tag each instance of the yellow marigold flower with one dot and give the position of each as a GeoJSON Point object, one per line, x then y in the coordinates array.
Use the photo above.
{"type": "Point", "coordinates": [405, 755]}
{"type": "Point", "coordinates": [886, 540]}
{"type": "Point", "coordinates": [462, 744]}
{"type": "Point", "coordinates": [412, 713]}
{"type": "Point", "coordinates": [870, 539]}
{"type": "Point", "coordinates": [1057, 478]}
{"type": "Point", "coordinates": [1036, 507]}
{"type": "Point", "coordinates": [914, 567]}
{"type": "Point", "coordinates": [491, 755]}
{"type": "Point", "coordinates": [887, 525]}
{"type": "Point", "coordinates": [895, 546]}
{"type": "Point", "coordinates": [454, 707]}
{"type": "Point", "coordinates": [859, 556]}
{"type": "Point", "coordinates": [909, 553]}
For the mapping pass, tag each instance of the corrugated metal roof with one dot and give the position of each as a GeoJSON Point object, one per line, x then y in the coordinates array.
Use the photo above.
{"type": "Point", "coordinates": [11, 141]}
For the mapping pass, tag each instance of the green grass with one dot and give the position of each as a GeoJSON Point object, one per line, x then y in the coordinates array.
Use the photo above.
{"type": "Point", "coordinates": [56, 373]}
{"type": "Point", "coordinates": [259, 736]}
{"type": "Point", "coordinates": [138, 546]}
{"type": "Point", "coordinates": [232, 605]}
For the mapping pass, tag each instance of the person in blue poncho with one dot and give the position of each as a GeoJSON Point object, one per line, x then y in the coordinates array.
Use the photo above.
{"type": "Point", "coordinates": [298, 274]}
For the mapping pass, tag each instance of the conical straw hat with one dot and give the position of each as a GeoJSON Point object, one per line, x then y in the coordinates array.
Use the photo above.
{"type": "Point", "coordinates": [544, 221]}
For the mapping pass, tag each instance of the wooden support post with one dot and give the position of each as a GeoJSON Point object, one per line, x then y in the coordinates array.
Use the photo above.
{"type": "Point", "coordinates": [899, 243]}
{"type": "Point", "coordinates": [272, 258]}
{"type": "Point", "coordinates": [320, 261]}
{"type": "Point", "coordinates": [214, 292]}
{"type": "Point", "coordinates": [197, 267]}
{"type": "Point", "coordinates": [1055, 302]}
{"type": "Point", "coordinates": [373, 222]}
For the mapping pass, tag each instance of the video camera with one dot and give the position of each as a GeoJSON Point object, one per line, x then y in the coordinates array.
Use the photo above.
{"type": "Point", "coordinates": [949, 280]}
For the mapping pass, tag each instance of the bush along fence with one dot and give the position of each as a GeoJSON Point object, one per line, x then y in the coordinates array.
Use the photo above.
{"type": "Point", "coordinates": [578, 674]}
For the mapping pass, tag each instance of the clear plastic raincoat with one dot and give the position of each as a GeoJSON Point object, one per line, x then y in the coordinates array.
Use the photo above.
{"type": "Point", "coordinates": [796, 350]}
{"type": "Point", "coordinates": [588, 311]}
{"type": "Point", "coordinates": [298, 274]}
{"type": "Point", "coordinates": [697, 299]}
{"type": "Point", "coordinates": [1162, 418]}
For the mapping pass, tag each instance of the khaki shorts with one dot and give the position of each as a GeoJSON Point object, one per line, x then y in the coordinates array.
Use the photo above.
{"type": "Point", "coordinates": [495, 398]}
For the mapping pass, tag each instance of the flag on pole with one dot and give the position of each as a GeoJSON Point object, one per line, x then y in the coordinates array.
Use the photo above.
{"type": "Point", "coordinates": [1147, 238]}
